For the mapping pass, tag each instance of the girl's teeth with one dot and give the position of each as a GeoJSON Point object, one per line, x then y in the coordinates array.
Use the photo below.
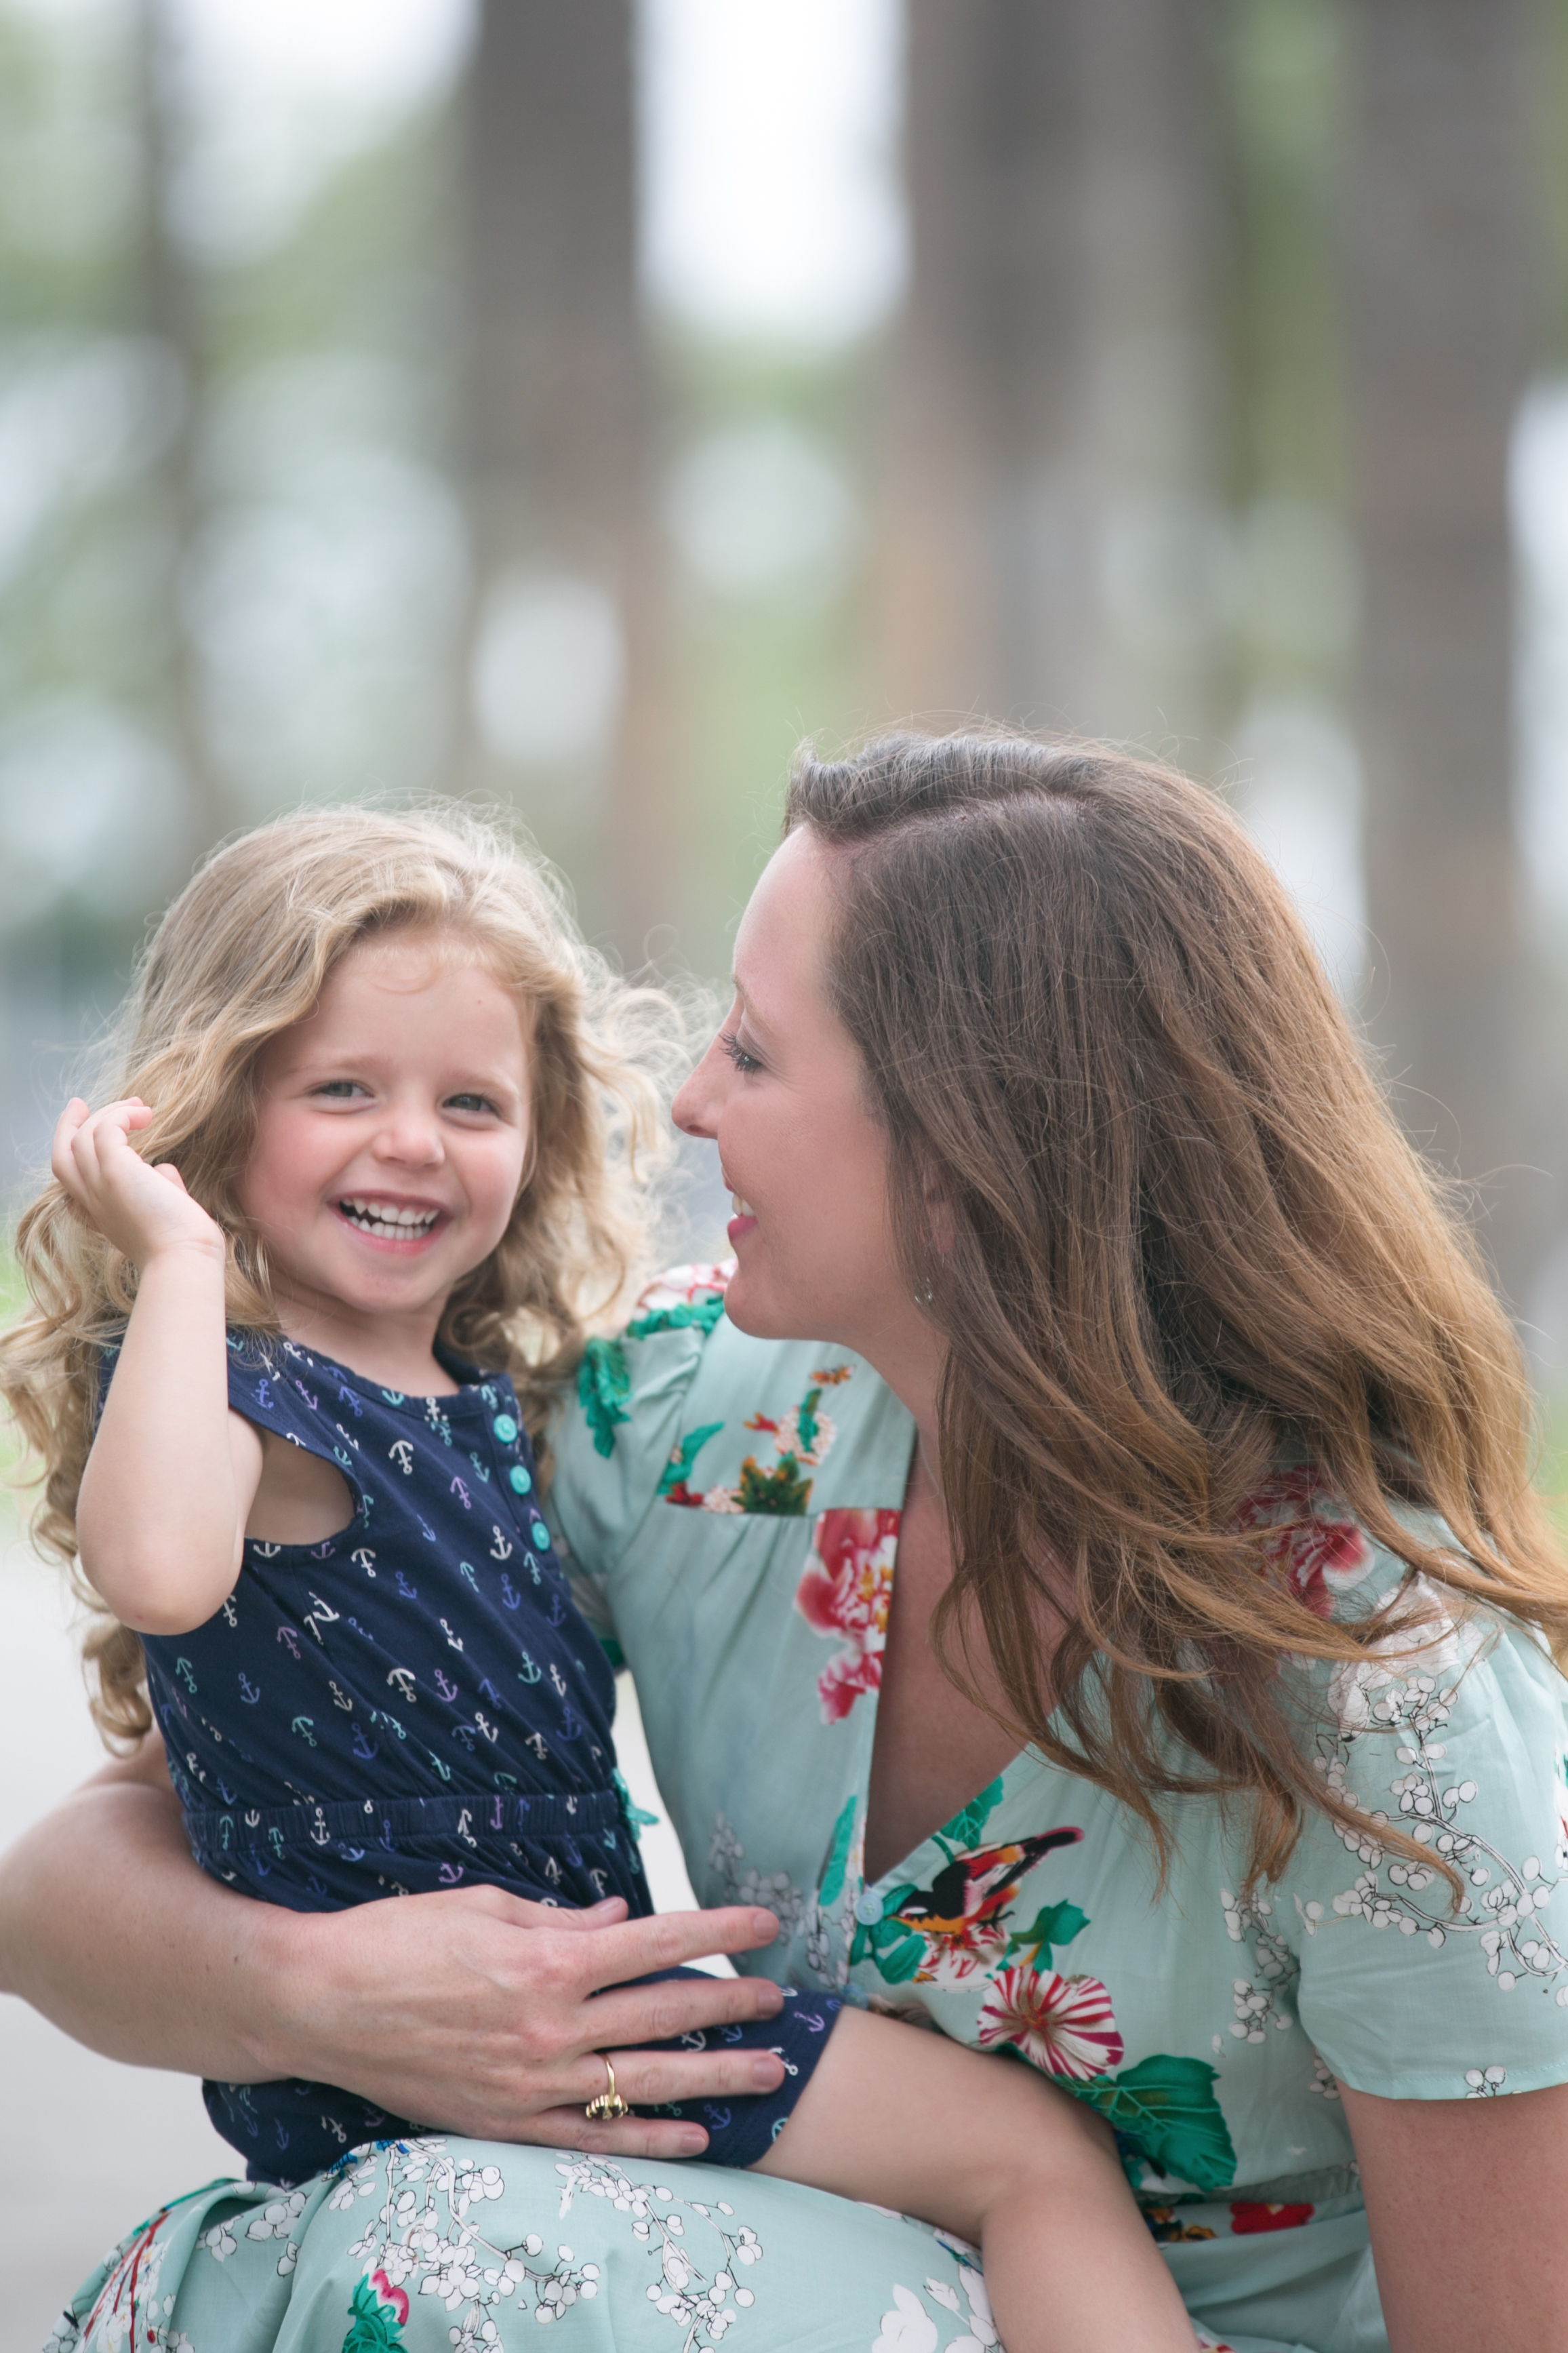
{"type": "Point", "coordinates": [387, 1223]}
{"type": "Point", "coordinates": [741, 1208]}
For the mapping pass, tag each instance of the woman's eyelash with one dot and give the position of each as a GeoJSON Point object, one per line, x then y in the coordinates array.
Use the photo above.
{"type": "Point", "coordinates": [731, 1045]}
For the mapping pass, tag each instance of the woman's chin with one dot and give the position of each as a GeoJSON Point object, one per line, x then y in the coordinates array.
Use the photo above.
{"type": "Point", "coordinates": [749, 1305]}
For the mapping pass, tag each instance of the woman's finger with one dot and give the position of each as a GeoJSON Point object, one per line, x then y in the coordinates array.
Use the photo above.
{"type": "Point", "coordinates": [632, 2137]}
{"type": "Point", "coordinates": [647, 2079]}
{"type": "Point", "coordinates": [670, 1939]}
{"type": "Point", "coordinates": [664, 2011]}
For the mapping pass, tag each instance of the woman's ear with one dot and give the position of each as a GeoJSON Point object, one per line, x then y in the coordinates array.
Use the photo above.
{"type": "Point", "coordinates": [938, 1212]}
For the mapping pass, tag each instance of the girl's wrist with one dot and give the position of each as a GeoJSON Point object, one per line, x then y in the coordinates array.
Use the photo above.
{"type": "Point", "coordinates": [174, 1250]}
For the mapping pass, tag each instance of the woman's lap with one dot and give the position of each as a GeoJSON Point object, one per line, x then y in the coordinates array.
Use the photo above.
{"type": "Point", "coordinates": [419, 2246]}
{"type": "Point", "coordinates": [423, 2246]}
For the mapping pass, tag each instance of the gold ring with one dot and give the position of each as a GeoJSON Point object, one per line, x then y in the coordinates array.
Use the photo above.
{"type": "Point", "coordinates": [609, 2106]}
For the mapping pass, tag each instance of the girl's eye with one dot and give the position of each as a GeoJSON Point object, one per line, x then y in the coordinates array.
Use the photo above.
{"type": "Point", "coordinates": [730, 1044]}
{"type": "Point", "coordinates": [469, 1103]}
{"type": "Point", "coordinates": [339, 1090]}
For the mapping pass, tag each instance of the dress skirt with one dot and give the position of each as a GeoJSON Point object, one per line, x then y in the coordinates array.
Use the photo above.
{"type": "Point", "coordinates": [429, 2245]}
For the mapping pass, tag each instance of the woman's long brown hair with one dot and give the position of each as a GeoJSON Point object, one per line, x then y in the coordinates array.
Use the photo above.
{"type": "Point", "coordinates": [1181, 1232]}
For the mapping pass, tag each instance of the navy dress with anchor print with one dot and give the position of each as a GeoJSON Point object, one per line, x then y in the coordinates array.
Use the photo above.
{"type": "Point", "coordinates": [414, 1703]}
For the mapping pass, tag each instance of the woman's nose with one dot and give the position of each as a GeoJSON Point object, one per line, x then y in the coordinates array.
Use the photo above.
{"type": "Point", "coordinates": [695, 1110]}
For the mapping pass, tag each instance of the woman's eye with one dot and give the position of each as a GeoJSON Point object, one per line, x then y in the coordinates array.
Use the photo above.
{"type": "Point", "coordinates": [730, 1044]}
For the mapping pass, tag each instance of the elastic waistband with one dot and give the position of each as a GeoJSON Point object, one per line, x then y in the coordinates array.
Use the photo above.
{"type": "Point", "coordinates": [389, 1821]}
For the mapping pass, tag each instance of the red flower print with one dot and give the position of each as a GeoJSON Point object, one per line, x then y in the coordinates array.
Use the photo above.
{"type": "Point", "coordinates": [1064, 2024]}
{"type": "Point", "coordinates": [1316, 1554]}
{"type": "Point", "coordinates": [1246, 2218]}
{"type": "Point", "coordinates": [846, 1591]}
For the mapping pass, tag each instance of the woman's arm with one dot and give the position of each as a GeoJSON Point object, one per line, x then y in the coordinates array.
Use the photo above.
{"type": "Point", "coordinates": [1465, 2200]}
{"type": "Point", "coordinates": [470, 2011]}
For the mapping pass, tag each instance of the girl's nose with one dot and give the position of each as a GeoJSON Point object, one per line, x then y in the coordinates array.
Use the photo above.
{"type": "Point", "coordinates": [410, 1137]}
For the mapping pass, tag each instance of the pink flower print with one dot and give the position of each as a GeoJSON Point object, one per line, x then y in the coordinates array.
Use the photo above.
{"type": "Point", "coordinates": [394, 2297]}
{"type": "Point", "coordinates": [846, 1591]}
{"type": "Point", "coordinates": [683, 1286]}
{"type": "Point", "coordinates": [1064, 2024]}
{"type": "Point", "coordinates": [1316, 1553]}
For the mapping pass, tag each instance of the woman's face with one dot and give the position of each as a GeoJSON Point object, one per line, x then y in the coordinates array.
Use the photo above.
{"type": "Point", "coordinates": [781, 1093]}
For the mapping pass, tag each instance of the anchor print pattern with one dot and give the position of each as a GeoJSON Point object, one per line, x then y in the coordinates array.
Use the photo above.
{"type": "Point", "coordinates": [353, 1721]}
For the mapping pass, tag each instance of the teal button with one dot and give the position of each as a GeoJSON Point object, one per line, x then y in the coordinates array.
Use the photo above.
{"type": "Point", "coordinates": [519, 1480]}
{"type": "Point", "coordinates": [539, 1537]}
{"type": "Point", "coordinates": [505, 1427]}
{"type": "Point", "coordinates": [869, 1910]}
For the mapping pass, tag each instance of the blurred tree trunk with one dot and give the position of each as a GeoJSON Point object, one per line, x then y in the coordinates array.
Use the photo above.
{"type": "Point", "coordinates": [1051, 541]}
{"type": "Point", "coordinates": [1440, 312]}
{"type": "Point", "coordinates": [170, 314]}
{"type": "Point", "coordinates": [558, 430]}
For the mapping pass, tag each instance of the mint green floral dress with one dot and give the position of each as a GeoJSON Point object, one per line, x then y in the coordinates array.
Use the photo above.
{"type": "Point", "coordinates": [731, 1510]}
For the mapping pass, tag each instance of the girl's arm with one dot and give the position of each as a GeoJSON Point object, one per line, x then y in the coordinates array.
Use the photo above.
{"type": "Point", "coordinates": [172, 1473]}
{"type": "Point", "coordinates": [474, 2010]}
{"type": "Point", "coordinates": [1465, 2201]}
{"type": "Point", "coordinates": [986, 2147]}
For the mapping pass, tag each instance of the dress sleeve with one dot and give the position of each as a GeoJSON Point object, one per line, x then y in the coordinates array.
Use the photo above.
{"type": "Point", "coordinates": [617, 1443]}
{"type": "Point", "coordinates": [263, 1388]}
{"type": "Point", "coordinates": [1403, 1992]}
{"type": "Point", "coordinates": [276, 1390]}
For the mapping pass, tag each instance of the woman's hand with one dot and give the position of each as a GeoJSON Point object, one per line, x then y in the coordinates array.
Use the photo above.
{"type": "Point", "coordinates": [140, 1208]}
{"type": "Point", "coordinates": [478, 2012]}
{"type": "Point", "coordinates": [471, 2012]}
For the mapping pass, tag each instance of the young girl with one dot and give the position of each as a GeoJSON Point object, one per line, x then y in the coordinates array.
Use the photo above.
{"type": "Point", "coordinates": [374, 1091]}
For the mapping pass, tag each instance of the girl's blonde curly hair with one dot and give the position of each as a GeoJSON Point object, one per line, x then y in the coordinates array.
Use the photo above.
{"type": "Point", "coordinates": [243, 954]}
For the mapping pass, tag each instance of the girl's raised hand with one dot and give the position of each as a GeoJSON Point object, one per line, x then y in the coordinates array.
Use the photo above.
{"type": "Point", "coordinates": [140, 1208]}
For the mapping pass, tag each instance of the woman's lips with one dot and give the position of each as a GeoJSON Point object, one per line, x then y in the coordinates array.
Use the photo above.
{"type": "Point", "coordinates": [743, 1220]}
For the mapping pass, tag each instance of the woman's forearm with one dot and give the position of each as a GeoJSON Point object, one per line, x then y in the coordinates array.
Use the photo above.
{"type": "Point", "coordinates": [106, 1927]}
{"type": "Point", "coordinates": [472, 2011]}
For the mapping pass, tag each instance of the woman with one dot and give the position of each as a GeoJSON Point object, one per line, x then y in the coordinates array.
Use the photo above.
{"type": "Point", "coordinates": [1212, 1757]}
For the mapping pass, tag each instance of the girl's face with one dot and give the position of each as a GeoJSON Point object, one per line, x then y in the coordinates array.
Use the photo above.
{"type": "Point", "coordinates": [781, 1092]}
{"type": "Point", "coordinates": [392, 1130]}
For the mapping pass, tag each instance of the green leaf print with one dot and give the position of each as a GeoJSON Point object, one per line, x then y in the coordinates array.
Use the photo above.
{"type": "Point", "coordinates": [808, 1424]}
{"type": "Point", "coordinates": [962, 1833]}
{"type": "Point", "coordinates": [685, 1455]}
{"type": "Point", "coordinates": [604, 1388]}
{"type": "Point", "coordinates": [375, 2327]}
{"type": "Point", "coordinates": [690, 1314]}
{"type": "Point", "coordinates": [1166, 2108]}
{"type": "Point", "coordinates": [896, 1948]}
{"type": "Point", "coordinates": [638, 1817]}
{"type": "Point", "coordinates": [1059, 1923]}
{"type": "Point", "coordinates": [896, 1953]}
{"type": "Point", "coordinates": [833, 1870]}
{"type": "Point", "coordinates": [782, 1493]}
